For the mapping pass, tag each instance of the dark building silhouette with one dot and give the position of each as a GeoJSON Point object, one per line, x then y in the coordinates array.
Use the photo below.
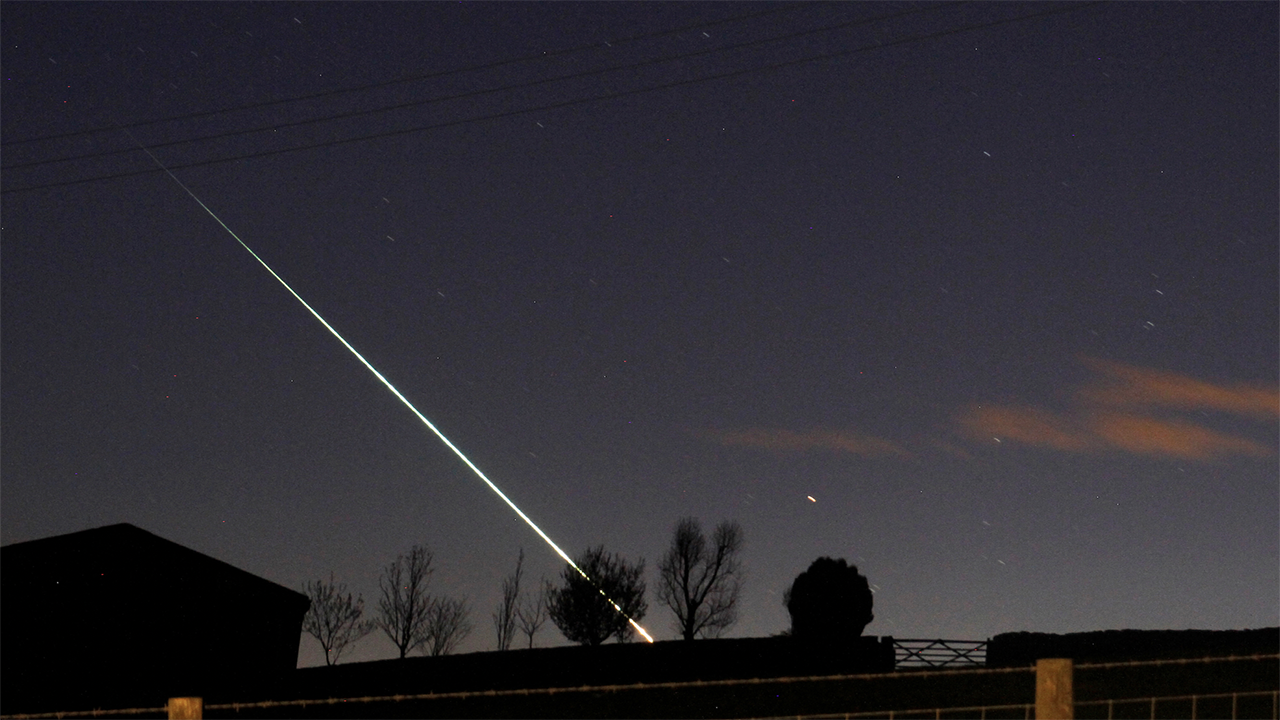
{"type": "Point", "coordinates": [118, 617]}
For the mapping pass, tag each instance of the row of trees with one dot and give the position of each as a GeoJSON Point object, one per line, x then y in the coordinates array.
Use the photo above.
{"type": "Point", "coordinates": [410, 616]}
{"type": "Point", "coordinates": [699, 581]}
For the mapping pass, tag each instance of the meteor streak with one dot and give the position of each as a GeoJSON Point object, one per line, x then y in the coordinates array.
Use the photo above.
{"type": "Point", "coordinates": [396, 392]}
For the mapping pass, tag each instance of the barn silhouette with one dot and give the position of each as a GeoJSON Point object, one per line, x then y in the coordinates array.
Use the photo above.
{"type": "Point", "coordinates": [117, 617]}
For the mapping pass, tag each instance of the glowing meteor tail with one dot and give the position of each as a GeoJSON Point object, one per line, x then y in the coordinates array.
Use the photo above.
{"type": "Point", "coordinates": [395, 392]}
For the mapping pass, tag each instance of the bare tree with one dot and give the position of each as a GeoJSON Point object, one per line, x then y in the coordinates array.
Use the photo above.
{"type": "Point", "coordinates": [531, 614]}
{"type": "Point", "coordinates": [504, 617]}
{"type": "Point", "coordinates": [334, 617]}
{"type": "Point", "coordinates": [448, 623]}
{"type": "Point", "coordinates": [701, 585]}
{"type": "Point", "coordinates": [584, 609]}
{"type": "Point", "coordinates": [403, 608]}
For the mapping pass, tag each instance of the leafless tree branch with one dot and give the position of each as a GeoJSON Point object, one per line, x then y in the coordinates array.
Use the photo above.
{"type": "Point", "coordinates": [404, 605]}
{"type": "Point", "coordinates": [448, 623]}
{"type": "Point", "coordinates": [505, 616]}
{"type": "Point", "coordinates": [701, 585]}
{"type": "Point", "coordinates": [334, 617]}
{"type": "Point", "coordinates": [532, 612]}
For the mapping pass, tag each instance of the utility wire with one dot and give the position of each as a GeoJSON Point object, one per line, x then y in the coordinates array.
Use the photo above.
{"type": "Point", "coordinates": [478, 93]}
{"type": "Point", "coordinates": [790, 7]}
{"type": "Point", "coordinates": [578, 101]}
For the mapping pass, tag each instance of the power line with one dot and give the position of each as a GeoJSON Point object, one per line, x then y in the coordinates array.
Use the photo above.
{"type": "Point", "coordinates": [411, 79]}
{"type": "Point", "coordinates": [478, 93]}
{"type": "Point", "coordinates": [578, 101]}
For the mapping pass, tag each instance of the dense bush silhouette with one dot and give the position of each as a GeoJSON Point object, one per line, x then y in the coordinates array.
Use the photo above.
{"type": "Point", "coordinates": [830, 603]}
{"type": "Point", "coordinates": [583, 608]}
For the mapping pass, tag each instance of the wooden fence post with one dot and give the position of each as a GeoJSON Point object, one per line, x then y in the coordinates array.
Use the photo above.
{"type": "Point", "coordinates": [1055, 697]}
{"type": "Point", "coordinates": [186, 708]}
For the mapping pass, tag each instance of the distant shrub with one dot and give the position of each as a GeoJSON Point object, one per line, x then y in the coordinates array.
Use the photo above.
{"type": "Point", "coordinates": [830, 603]}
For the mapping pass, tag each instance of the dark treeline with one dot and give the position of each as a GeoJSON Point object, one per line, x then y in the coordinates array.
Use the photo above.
{"type": "Point", "coordinates": [603, 598]}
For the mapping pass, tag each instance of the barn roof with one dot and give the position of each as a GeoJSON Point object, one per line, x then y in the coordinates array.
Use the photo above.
{"type": "Point", "coordinates": [141, 557]}
{"type": "Point", "coordinates": [116, 615]}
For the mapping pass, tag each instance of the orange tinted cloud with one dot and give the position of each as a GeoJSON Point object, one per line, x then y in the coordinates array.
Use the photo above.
{"type": "Point", "coordinates": [1092, 430]}
{"type": "Point", "coordinates": [1154, 436]}
{"type": "Point", "coordinates": [1116, 411]}
{"type": "Point", "coordinates": [1132, 386]}
{"type": "Point", "coordinates": [791, 441]}
{"type": "Point", "coordinates": [1029, 425]}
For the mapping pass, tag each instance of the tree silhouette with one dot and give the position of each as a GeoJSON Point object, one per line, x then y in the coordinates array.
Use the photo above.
{"type": "Point", "coordinates": [506, 614]}
{"type": "Point", "coordinates": [404, 605]}
{"type": "Point", "coordinates": [448, 622]}
{"type": "Point", "coordinates": [334, 617]}
{"type": "Point", "coordinates": [579, 606]}
{"type": "Point", "coordinates": [830, 603]}
{"type": "Point", "coordinates": [532, 612]}
{"type": "Point", "coordinates": [700, 584]}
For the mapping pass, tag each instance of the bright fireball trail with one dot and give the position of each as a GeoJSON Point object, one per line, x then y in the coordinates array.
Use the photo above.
{"type": "Point", "coordinates": [402, 398]}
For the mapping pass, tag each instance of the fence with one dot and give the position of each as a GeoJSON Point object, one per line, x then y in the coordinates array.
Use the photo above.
{"type": "Point", "coordinates": [1060, 689]}
{"type": "Point", "coordinates": [939, 653]}
{"type": "Point", "coordinates": [1209, 705]}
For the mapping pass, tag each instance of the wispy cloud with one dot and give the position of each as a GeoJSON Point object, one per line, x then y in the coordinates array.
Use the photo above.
{"type": "Point", "coordinates": [780, 440]}
{"type": "Point", "coordinates": [1122, 408]}
{"type": "Point", "coordinates": [1133, 386]}
{"type": "Point", "coordinates": [1118, 411]}
{"type": "Point", "coordinates": [1030, 425]}
{"type": "Point", "coordinates": [1153, 436]}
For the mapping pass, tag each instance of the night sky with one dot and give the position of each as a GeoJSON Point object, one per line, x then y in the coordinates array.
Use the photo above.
{"type": "Point", "coordinates": [982, 298]}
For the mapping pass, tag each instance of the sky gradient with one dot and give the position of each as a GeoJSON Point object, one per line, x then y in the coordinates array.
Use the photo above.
{"type": "Point", "coordinates": [980, 297]}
